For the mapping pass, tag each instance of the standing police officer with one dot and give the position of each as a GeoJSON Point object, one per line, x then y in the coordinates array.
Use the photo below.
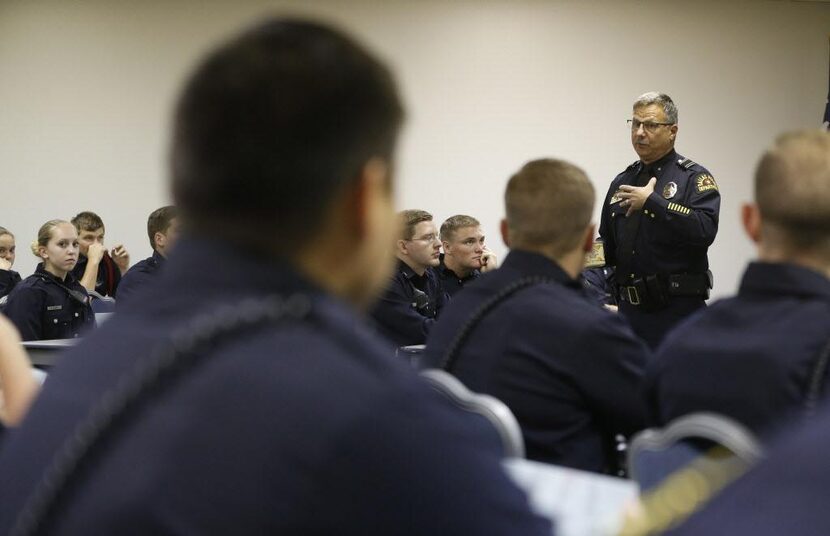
{"type": "Point", "coordinates": [246, 396]}
{"type": "Point", "coordinates": [658, 219]}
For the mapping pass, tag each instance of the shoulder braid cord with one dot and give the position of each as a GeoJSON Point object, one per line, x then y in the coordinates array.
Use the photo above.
{"type": "Point", "coordinates": [188, 347]}
{"type": "Point", "coordinates": [815, 385]}
{"type": "Point", "coordinates": [451, 355]}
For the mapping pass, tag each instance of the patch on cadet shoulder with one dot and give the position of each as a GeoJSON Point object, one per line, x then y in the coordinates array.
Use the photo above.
{"type": "Point", "coordinates": [679, 209]}
{"type": "Point", "coordinates": [616, 197]}
{"type": "Point", "coordinates": [596, 258]}
{"type": "Point", "coordinates": [669, 190]}
{"type": "Point", "coordinates": [705, 182]}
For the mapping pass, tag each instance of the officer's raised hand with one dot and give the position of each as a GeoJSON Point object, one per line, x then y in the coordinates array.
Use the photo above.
{"type": "Point", "coordinates": [634, 197]}
{"type": "Point", "coordinates": [121, 257]}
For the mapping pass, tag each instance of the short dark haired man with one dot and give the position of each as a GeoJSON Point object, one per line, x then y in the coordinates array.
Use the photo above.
{"type": "Point", "coordinates": [782, 312]}
{"type": "Point", "coordinates": [658, 220]}
{"type": "Point", "coordinates": [98, 269]}
{"type": "Point", "coordinates": [465, 254]}
{"type": "Point", "coordinates": [527, 334]}
{"type": "Point", "coordinates": [163, 231]}
{"type": "Point", "coordinates": [752, 357]}
{"type": "Point", "coordinates": [244, 395]}
{"type": "Point", "coordinates": [413, 298]}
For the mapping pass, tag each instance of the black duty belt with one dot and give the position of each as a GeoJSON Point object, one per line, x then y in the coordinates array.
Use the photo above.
{"type": "Point", "coordinates": [655, 291]}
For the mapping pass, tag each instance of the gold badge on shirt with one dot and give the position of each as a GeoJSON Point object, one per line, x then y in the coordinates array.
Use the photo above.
{"type": "Point", "coordinates": [705, 182]}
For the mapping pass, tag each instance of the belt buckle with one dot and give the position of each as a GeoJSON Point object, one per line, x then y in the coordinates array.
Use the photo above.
{"type": "Point", "coordinates": [633, 295]}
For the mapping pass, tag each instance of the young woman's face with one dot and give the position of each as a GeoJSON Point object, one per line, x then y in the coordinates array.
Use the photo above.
{"type": "Point", "coordinates": [60, 254]}
{"type": "Point", "coordinates": [7, 248]}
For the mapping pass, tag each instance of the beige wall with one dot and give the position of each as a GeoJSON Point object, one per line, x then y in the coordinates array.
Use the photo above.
{"type": "Point", "coordinates": [86, 89]}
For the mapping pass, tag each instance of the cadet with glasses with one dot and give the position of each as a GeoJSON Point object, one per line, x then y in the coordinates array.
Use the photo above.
{"type": "Point", "coordinates": [51, 303]}
{"type": "Point", "coordinates": [658, 220]}
{"type": "Point", "coordinates": [247, 396]}
{"type": "Point", "coordinates": [414, 296]}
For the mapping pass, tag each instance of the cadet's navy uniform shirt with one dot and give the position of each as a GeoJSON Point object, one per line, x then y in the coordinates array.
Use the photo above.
{"type": "Point", "coordinates": [137, 278]}
{"type": "Point", "coordinates": [108, 278]}
{"type": "Point", "coordinates": [399, 314]}
{"type": "Point", "coordinates": [306, 427]}
{"type": "Point", "coordinates": [569, 370]}
{"type": "Point", "coordinates": [785, 494]}
{"type": "Point", "coordinates": [678, 223]}
{"type": "Point", "coordinates": [450, 282]}
{"type": "Point", "coordinates": [748, 357]}
{"type": "Point", "coordinates": [42, 308]}
{"type": "Point", "coordinates": [8, 280]}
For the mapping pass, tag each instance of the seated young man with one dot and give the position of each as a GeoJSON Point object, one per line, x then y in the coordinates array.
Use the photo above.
{"type": "Point", "coordinates": [465, 254]}
{"type": "Point", "coordinates": [162, 230]}
{"type": "Point", "coordinates": [752, 357]}
{"type": "Point", "coordinates": [414, 297]}
{"type": "Point", "coordinates": [569, 370]}
{"type": "Point", "coordinates": [98, 269]}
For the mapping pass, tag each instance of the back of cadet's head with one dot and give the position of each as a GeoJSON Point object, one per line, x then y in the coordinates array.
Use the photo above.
{"type": "Point", "coordinates": [87, 221]}
{"type": "Point", "coordinates": [792, 189]}
{"type": "Point", "coordinates": [275, 123]}
{"type": "Point", "coordinates": [408, 219]}
{"type": "Point", "coordinates": [549, 204]}
{"type": "Point", "coordinates": [158, 222]}
{"type": "Point", "coordinates": [452, 224]}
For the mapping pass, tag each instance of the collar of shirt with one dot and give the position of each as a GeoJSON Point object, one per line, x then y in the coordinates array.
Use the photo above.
{"type": "Point", "coordinates": [449, 273]}
{"type": "Point", "coordinates": [410, 274]}
{"type": "Point", "coordinates": [158, 258]}
{"type": "Point", "coordinates": [70, 277]}
{"type": "Point", "coordinates": [535, 264]}
{"type": "Point", "coordinates": [658, 166]}
{"type": "Point", "coordinates": [784, 278]}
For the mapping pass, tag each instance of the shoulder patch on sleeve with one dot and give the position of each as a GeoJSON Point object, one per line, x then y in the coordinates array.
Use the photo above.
{"type": "Point", "coordinates": [705, 182]}
{"type": "Point", "coordinates": [679, 209]}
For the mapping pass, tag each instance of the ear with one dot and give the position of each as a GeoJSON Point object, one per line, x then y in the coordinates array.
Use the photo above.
{"type": "Point", "coordinates": [673, 130]}
{"type": "Point", "coordinates": [588, 239]}
{"type": "Point", "coordinates": [369, 188]}
{"type": "Point", "coordinates": [505, 232]}
{"type": "Point", "coordinates": [446, 246]}
{"type": "Point", "coordinates": [159, 239]}
{"type": "Point", "coordinates": [751, 219]}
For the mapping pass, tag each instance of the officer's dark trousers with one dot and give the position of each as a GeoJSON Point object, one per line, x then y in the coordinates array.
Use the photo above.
{"type": "Point", "coordinates": [652, 326]}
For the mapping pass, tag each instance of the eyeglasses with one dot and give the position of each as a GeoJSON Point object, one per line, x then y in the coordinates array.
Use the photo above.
{"type": "Point", "coordinates": [648, 126]}
{"type": "Point", "coordinates": [427, 239]}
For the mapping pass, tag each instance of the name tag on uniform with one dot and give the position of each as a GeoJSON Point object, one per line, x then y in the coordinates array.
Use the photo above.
{"type": "Point", "coordinates": [54, 307]}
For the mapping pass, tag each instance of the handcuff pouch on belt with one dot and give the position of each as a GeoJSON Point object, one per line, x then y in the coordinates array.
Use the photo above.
{"type": "Point", "coordinates": [654, 292]}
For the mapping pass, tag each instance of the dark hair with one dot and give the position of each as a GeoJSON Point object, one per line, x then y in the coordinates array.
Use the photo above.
{"type": "Point", "coordinates": [159, 221]}
{"type": "Point", "coordinates": [87, 221]}
{"type": "Point", "coordinates": [273, 124]}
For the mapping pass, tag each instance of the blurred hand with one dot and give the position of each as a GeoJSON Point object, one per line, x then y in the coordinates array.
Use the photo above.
{"type": "Point", "coordinates": [634, 197]}
{"type": "Point", "coordinates": [95, 252]}
{"type": "Point", "coordinates": [5, 264]}
{"type": "Point", "coordinates": [488, 261]}
{"type": "Point", "coordinates": [121, 257]}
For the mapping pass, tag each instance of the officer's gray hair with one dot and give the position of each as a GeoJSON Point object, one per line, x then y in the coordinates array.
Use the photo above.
{"type": "Point", "coordinates": [661, 99]}
{"type": "Point", "coordinates": [792, 190]}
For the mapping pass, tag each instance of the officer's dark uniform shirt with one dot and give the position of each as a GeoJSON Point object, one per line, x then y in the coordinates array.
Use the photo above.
{"type": "Point", "coordinates": [8, 280]}
{"type": "Point", "coordinates": [139, 276]}
{"type": "Point", "coordinates": [450, 282]}
{"type": "Point", "coordinates": [307, 426]}
{"type": "Point", "coordinates": [43, 307]}
{"type": "Point", "coordinates": [570, 371]}
{"type": "Point", "coordinates": [785, 494]}
{"type": "Point", "coordinates": [108, 278]}
{"type": "Point", "coordinates": [677, 224]}
{"type": "Point", "coordinates": [408, 307]}
{"type": "Point", "coordinates": [749, 357]}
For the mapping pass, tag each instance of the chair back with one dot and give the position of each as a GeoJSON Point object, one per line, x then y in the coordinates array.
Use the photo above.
{"type": "Point", "coordinates": [489, 407]}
